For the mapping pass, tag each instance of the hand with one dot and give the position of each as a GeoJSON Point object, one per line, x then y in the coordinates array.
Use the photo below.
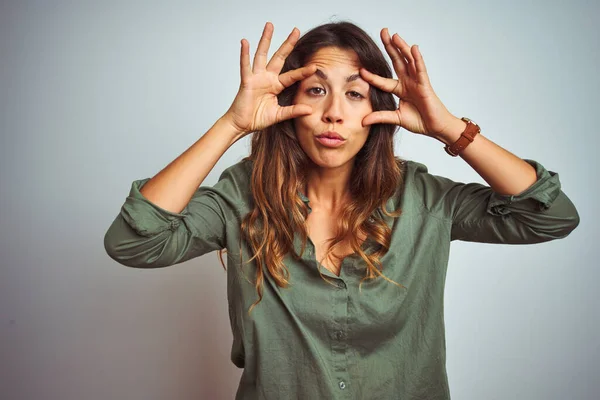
{"type": "Point", "coordinates": [255, 106]}
{"type": "Point", "coordinates": [419, 110]}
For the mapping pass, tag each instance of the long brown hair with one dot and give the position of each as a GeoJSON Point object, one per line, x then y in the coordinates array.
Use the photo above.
{"type": "Point", "coordinates": [279, 168]}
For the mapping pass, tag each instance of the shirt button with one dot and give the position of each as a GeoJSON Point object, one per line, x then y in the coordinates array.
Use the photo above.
{"type": "Point", "coordinates": [173, 225]}
{"type": "Point", "coordinates": [342, 385]}
{"type": "Point", "coordinates": [338, 335]}
{"type": "Point", "coordinates": [341, 285]}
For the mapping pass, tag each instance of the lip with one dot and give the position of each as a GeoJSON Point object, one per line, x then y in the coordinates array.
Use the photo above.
{"type": "Point", "coordinates": [332, 134]}
{"type": "Point", "coordinates": [329, 142]}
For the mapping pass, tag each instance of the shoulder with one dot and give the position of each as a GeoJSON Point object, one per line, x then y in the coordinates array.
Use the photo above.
{"type": "Point", "coordinates": [241, 170]}
{"type": "Point", "coordinates": [237, 177]}
{"type": "Point", "coordinates": [417, 175]}
{"type": "Point", "coordinates": [413, 174]}
{"type": "Point", "coordinates": [407, 196]}
{"type": "Point", "coordinates": [232, 189]}
{"type": "Point", "coordinates": [422, 190]}
{"type": "Point", "coordinates": [412, 168]}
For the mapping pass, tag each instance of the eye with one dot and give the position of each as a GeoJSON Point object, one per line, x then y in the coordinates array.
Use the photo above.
{"type": "Point", "coordinates": [315, 91]}
{"type": "Point", "coordinates": [355, 95]}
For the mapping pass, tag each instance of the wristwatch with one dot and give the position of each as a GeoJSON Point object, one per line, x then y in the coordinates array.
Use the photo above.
{"type": "Point", "coordinates": [465, 138]}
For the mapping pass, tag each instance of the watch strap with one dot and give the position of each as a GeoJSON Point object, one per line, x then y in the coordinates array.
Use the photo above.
{"type": "Point", "coordinates": [465, 138]}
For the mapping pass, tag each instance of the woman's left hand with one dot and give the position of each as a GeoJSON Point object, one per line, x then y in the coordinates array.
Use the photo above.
{"type": "Point", "coordinates": [419, 110]}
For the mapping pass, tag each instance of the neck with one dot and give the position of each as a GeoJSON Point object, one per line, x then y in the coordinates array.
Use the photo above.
{"type": "Point", "coordinates": [328, 188]}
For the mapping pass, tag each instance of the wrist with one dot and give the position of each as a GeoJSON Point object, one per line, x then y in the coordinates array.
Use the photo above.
{"type": "Point", "coordinates": [228, 127]}
{"type": "Point", "coordinates": [453, 131]}
{"type": "Point", "coordinates": [227, 121]}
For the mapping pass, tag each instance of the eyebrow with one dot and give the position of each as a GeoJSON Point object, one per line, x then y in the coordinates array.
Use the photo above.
{"type": "Point", "coordinates": [351, 78]}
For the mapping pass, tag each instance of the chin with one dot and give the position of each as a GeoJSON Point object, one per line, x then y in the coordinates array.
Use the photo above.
{"type": "Point", "coordinates": [334, 161]}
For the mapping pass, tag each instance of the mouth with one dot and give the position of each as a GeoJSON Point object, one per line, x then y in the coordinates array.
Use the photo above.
{"type": "Point", "coordinates": [331, 135]}
{"type": "Point", "coordinates": [329, 141]}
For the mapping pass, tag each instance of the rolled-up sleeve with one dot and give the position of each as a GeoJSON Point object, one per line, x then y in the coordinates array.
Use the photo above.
{"type": "Point", "coordinates": [541, 213]}
{"type": "Point", "coordinates": [144, 235]}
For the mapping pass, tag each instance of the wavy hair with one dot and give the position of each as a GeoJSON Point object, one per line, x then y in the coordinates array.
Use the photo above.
{"type": "Point", "coordinates": [280, 165]}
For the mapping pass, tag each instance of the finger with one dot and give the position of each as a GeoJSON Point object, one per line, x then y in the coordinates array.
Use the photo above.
{"type": "Point", "coordinates": [296, 110]}
{"type": "Point", "coordinates": [287, 79]}
{"type": "Point", "coordinates": [386, 84]}
{"type": "Point", "coordinates": [405, 50]}
{"type": "Point", "coordinates": [245, 69]}
{"type": "Point", "coordinates": [260, 58]}
{"type": "Point", "coordinates": [420, 65]}
{"type": "Point", "coordinates": [382, 117]}
{"type": "Point", "coordinates": [284, 50]}
{"type": "Point", "coordinates": [397, 59]}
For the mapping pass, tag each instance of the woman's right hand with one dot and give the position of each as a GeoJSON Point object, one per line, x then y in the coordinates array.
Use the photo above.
{"type": "Point", "coordinates": [255, 106]}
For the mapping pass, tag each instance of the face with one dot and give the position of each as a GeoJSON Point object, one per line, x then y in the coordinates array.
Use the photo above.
{"type": "Point", "coordinates": [340, 100]}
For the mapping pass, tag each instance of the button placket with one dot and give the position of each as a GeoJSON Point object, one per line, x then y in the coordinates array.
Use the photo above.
{"type": "Point", "coordinates": [338, 333]}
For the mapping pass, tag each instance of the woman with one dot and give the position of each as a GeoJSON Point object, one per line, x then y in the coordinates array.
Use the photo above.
{"type": "Point", "coordinates": [351, 241]}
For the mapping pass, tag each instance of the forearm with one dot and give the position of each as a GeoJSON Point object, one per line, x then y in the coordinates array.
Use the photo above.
{"type": "Point", "coordinates": [505, 173]}
{"type": "Point", "coordinates": [173, 187]}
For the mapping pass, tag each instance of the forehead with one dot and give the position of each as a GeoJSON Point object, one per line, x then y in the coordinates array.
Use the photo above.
{"type": "Point", "coordinates": [335, 57]}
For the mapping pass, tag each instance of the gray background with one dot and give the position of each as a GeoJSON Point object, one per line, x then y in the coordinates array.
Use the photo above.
{"type": "Point", "coordinates": [95, 95]}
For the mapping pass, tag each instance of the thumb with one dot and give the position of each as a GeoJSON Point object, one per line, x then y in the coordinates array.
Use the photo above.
{"type": "Point", "coordinates": [382, 117]}
{"type": "Point", "coordinates": [297, 110]}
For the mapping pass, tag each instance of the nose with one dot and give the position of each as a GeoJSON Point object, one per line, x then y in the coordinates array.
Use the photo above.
{"type": "Point", "coordinates": [333, 110]}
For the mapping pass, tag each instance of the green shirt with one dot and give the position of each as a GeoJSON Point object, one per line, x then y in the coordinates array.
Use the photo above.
{"type": "Point", "coordinates": [315, 340]}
